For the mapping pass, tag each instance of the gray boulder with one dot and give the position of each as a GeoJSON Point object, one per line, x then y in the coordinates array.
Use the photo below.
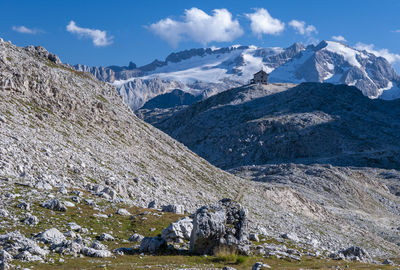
{"type": "Point", "coordinates": [136, 238]}
{"type": "Point", "coordinates": [91, 252]}
{"type": "Point", "coordinates": [254, 237]}
{"type": "Point", "coordinates": [174, 208]}
{"type": "Point", "coordinates": [55, 205]}
{"type": "Point", "coordinates": [31, 220]}
{"type": "Point", "coordinates": [51, 236]}
{"type": "Point", "coordinates": [24, 206]}
{"type": "Point", "coordinates": [3, 213]}
{"type": "Point", "coordinates": [260, 266]}
{"type": "Point", "coordinates": [218, 225]}
{"type": "Point", "coordinates": [178, 231]}
{"type": "Point", "coordinates": [105, 237]}
{"type": "Point", "coordinates": [123, 212]}
{"type": "Point", "coordinates": [153, 244]}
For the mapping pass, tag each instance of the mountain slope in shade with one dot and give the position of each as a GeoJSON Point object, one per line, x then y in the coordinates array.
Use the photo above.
{"type": "Point", "coordinates": [172, 99]}
{"type": "Point", "coordinates": [308, 123]}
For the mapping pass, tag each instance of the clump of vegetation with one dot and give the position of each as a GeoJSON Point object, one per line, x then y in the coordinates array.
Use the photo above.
{"type": "Point", "coordinates": [228, 254]}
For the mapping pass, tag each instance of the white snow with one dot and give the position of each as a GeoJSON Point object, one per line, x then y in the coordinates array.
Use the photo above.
{"type": "Point", "coordinates": [348, 53]}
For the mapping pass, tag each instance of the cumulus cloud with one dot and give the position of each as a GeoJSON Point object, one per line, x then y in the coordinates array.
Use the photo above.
{"type": "Point", "coordinates": [390, 57]}
{"type": "Point", "coordinates": [302, 28]}
{"type": "Point", "coordinates": [198, 26]}
{"type": "Point", "coordinates": [99, 38]}
{"type": "Point", "coordinates": [339, 38]}
{"type": "Point", "coordinates": [25, 30]}
{"type": "Point", "coordinates": [263, 23]}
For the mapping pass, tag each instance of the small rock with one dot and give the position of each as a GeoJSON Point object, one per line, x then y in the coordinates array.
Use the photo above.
{"type": "Point", "coordinates": [123, 212]}
{"type": "Point", "coordinates": [290, 236]}
{"type": "Point", "coordinates": [74, 227]}
{"type": "Point", "coordinates": [62, 190]}
{"type": "Point", "coordinates": [105, 237]}
{"type": "Point", "coordinates": [91, 252]}
{"type": "Point", "coordinates": [260, 266]}
{"type": "Point", "coordinates": [136, 238]}
{"type": "Point", "coordinates": [69, 204]}
{"type": "Point", "coordinates": [31, 220]}
{"type": "Point", "coordinates": [388, 261]}
{"type": "Point", "coordinates": [254, 237]}
{"type": "Point", "coordinates": [152, 204]}
{"type": "Point", "coordinates": [55, 205]}
{"type": "Point", "coordinates": [174, 208]}
{"type": "Point", "coordinates": [3, 213]}
{"type": "Point", "coordinates": [24, 206]}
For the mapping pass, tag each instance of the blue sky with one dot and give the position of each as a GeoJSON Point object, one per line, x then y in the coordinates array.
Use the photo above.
{"type": "Point", "coordinates": [138, 30]}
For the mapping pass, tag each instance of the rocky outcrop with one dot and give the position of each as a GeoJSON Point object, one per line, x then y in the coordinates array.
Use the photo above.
{"type": "Point", "coordinates": [220, 225]}
{"type": "Point", "coordinates": [178, 231]}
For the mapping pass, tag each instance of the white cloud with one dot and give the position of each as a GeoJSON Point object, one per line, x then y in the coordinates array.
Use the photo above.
{"type": "Point", "coordinates": [98, 37]}
{"type": "Point", "coordinates": [390, 57]}
{"type": "Point", "coordinates": [397, 31]}
{"type": "Point", "coordinates": [263, 23]}
{"type": "Point", "coordinates": [339, 38]}
{"type": "Point", "coordinates": [25, 30]}
{"type": "Point", "coordinates": [198, 26]}
{"type": "Point", "coordinates": [302, 28]}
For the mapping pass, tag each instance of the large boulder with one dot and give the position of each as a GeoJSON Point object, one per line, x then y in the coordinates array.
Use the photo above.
{"type": "Point", "coordinates": [51, 236]}
{"type": "Point", "coordinates": [55, 205]}
{"type": "Point", "coordinates": [220, 225]}
{"type": "Point", "coordinates": [153, 244]}
{"type": "Point", "coordinates": [178, 231]}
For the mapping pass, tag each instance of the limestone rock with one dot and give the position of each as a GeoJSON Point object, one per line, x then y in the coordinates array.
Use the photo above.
{"type": "Point", "coordinates": [136, 237]}
{"type": "Point", "coordinates": [174, 208]}
{"type": "Point", "coordinates": [123, 212]}
{"type": "Point", "coordinates": [153, 244]}
{"type": "Point", "coordinates": [260, 266]}
{"type": "Point", "coordinates": [51, 236]}
{"type": "Point", "coordinates": [178, 231]}
{"type": "Point", "coordinates": [31, 220]}
{"type": "Point", "coordinates": [55, 204]}
{"type": "Point", "coordinates": [218, 225]}
{"type": "Point", "coordinates": [106, 237]}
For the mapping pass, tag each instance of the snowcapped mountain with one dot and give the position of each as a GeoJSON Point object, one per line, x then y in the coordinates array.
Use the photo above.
{"type": "Point", "coordinates": [210, 71]}
{"type": "Point", "coordinates": [338, 63]}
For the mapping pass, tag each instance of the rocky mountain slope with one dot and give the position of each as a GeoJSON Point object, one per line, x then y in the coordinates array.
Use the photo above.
{"type": "Point", "coordinates": [75, 159]}
{"type": "Point", "coordinates": [306, 123]}
{"type": "Point", "coordinates": [210, 71]}
{"type": "Point", "coordinates": [63, 127]}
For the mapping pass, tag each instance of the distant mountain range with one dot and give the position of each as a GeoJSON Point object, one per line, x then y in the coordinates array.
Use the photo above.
{"type": "Point", "coordinates": [210, 71]}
